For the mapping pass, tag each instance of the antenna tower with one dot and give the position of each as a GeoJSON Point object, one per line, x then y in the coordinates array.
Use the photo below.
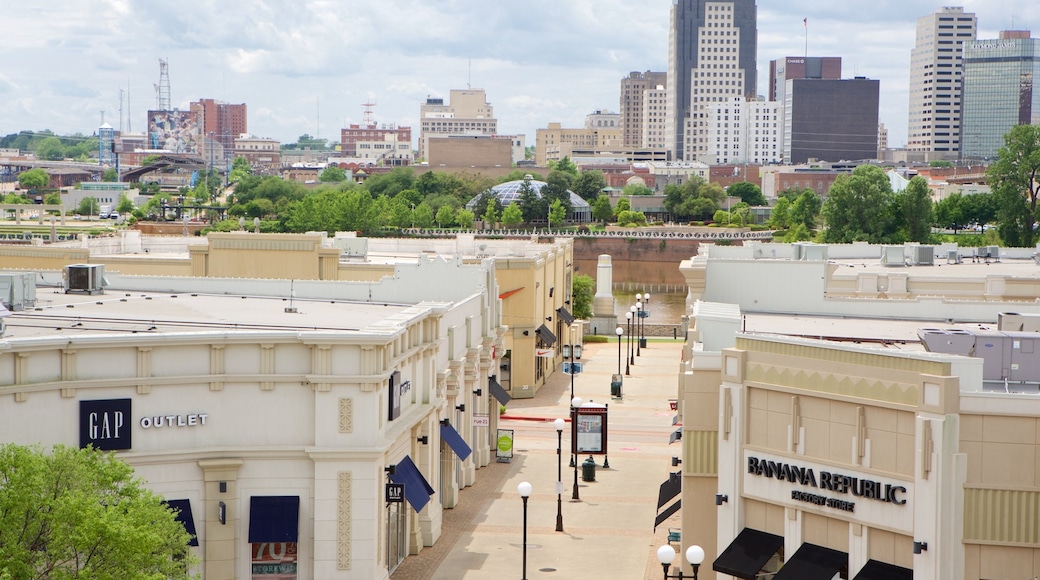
{"type": "Point", "coordinates": [369, 119]}
{"type": "Point", "coordinates": [120, 110]}
{"type": "Point", "coordinates": [162, 90]}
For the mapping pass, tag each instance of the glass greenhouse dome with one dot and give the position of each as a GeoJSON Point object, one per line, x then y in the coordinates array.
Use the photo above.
{"type": "Point", "coordinates": [508, 192]}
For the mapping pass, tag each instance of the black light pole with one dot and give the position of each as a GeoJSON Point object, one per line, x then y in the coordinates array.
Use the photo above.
{"type": "Point", "coordinates": [575, 403]}
{"type": "Point", "coordinates": [571, 335]}
{"type": "Point", "coordinates": [694, 555]}
{"type": "Point", "coordinates": [619, 331]}
{"type": "Point", "coordinates": [559, 423]}
{"type": "Point", "coordinates": [628, 343]}
{"type": "Point", "coordinates": [525, 492]}
{"type": "Point", "coordinates": [632, 356]}
{"type": "Point", "coordinates": [639, 327]}
{"type": "Point", "coordinates": [646, 313]}
{"type": "Point", "coordinates": [639, 316]}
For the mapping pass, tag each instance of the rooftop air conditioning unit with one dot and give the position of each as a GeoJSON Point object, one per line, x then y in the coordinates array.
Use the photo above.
{"type": "Point", "coordinates": [84, 279]}
{"type": "Point", "coordinates": [922, 255]}
{"type": "Point", "coordinates": [893, 256]}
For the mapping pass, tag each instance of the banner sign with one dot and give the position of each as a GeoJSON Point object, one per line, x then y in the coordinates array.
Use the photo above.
{"type": "Point", "coordinates": [590, 434]}
{"type": "Point", "coordinates": [394, 492]}
{"type": "Point", "coordinates": [504, 448]}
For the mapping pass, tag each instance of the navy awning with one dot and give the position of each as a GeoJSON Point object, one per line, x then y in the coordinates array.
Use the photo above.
{"type": "Point", "coordinates": [416, 489]}
{"type": "Point", "coordinates": [748, 553]}
{"type": "Point", "coordinates": [274, 518]}
{"type": "Point", "coordinates": [454, 440]}
{"type": "Point", "coordinates": [547, 336]}
{"type": "Point", "coordinates": [669, 489]}
{"type": "Point", "coordinates": [675, 436]}
{"type": "Point", "coordinates": [667, 513]}
{"type": "Point", "coordinates": [565, 315]}
{"type": "Point", "coordinates": [182, 511]}
{"type": "Point", "coordinates": [874, 570]}
{"type": "Point", "coordinates": [812, 562]}
{"type": "Point", "coordinates": [498, 392]}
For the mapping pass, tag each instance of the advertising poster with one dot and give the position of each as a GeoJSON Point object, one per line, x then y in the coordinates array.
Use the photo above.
{"type": "Point", "coordinates": [274, 561]}
{"type": "Point", "coordinates": [504, 448]}
{"type": "Point", "coordinates": [591, 430]}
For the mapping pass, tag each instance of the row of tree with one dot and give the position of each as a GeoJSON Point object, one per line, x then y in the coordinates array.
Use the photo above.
{"type": "Point", "coordinates": [50, 147]}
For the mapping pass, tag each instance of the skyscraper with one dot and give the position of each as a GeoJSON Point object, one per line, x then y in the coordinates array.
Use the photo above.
{"type": "Point", "coordinates": [712, 47]}
{"type": "Point", "coordinates": [634, 104]}
{"type": "Point", "coordinates": [935, 82]}
{"type": "Point", "coordinates": [831, 119]}
{"type": "Point", "coordinates": [1001, 90]}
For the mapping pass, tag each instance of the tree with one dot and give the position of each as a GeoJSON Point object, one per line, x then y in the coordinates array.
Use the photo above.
{"type": "Point", "coordinates": [532, 206]}
{"type": "Point", "coordinates": [33, 179]}
{"type": "Point", "coordinates": [150, 160]}
{"type": "Point", "coordinates": [1015, 179]}
{"type": "Point", "coordinates": [805, 209]}
{"type": "Point", "coordinates": [695, 199]}
{"type": "Point", "coordinates": [778, 218]}
{"type": "Point", "coordinates": [858, 207]}
{"type": "Point", "coordinates": [557, 213]}
{"type": "Point", "coordinates": [512, 215]}
{"type": "Point", "coordinates": [602, 210]}
{"type": "Point", "coordinates": [110, 175]}
{"type": "Point", "coordinates": [492, 214]}
{"type": "Point", "coordinates": [81, 513]}
{"type": "Point", "coordinates": [53, 199]}
{"type": "Point", "coordinates": [582, 291]}
{"type": "Point", "coordinates": [464, 218]}
{"type": "Point", "coordinates": [623, 204]}
{"type": "Point", "coordinates": [914, 210]}
{"type": "Point", "coordinates": [88, 206]}
{"type": "Point", "coordinates": [445, 216]}
{"type": "Point", "coordinates": [332, 174]}
{"type": "Point", "coordinates": [748, 193]}
{"type": "Point", "coordinates": [557, 188]}
{"type": "Point", "coordinates": [628, 217]}
{"type": "Point", "coordinates": [565, 165]}
{"type": "Point", "coordinates": [423, 215]}
{"type": "Point", "coordinates": [124, 206]}
{"type": "Point", "coordinates": [636, 189]}
{"type": "Point", "coordinates": [50, 149]}
{"type": "Point", "coordinates": [589, 185]}
{"type": "Point", "coordinates": [240, 168]}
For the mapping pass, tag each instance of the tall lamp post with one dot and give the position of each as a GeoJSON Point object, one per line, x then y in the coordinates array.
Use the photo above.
{"type": "Point", "coordinates": [618, 331]}
{"type": "Point", "coordinates": [525, 492]}
{"type": "Point", "coordinates": [570, 334]}
{"type": "Point", "coordinates": [646, 313]}
{"type": "Point", "coordinates": [575, 403]}
{"type": "Point", "coordinates": [639, 327]}
{"type": "Point", "coordinates": [632, 354]}
{"type": "Point", "coordinates": [666, 555]}
{"type": "Point", "coordinates": [628, 343]}
{"type": "Point", "coordinates": [559, 423]}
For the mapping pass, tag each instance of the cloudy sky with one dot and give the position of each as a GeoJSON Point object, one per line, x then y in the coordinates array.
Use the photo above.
{"type": "Point", "coordinates": [306, 66]}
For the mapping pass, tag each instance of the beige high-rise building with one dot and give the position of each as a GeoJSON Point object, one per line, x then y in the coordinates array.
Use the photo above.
{"type": "Point", "coordinates": [655, 118]}
{"type": "Point", "coordinates": [635, 107]}
{"type": "Point", "coordinates": [935, 81]}
{"type": "Point", "coordinates": [466, 113]}
{"type": "Point", "coordinates": [555, 142]}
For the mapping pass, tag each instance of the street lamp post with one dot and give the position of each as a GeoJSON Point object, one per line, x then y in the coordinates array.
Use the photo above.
{"type": "Point", "coordinates": [628, 343]}
{"type": "Point", "coordinates": [571, 357]}
{"type": "Point", "coordinates": [632, 350]}
{"type": "Point", "coordinates": [619, 331]}
{"type": "Point", "coordinates": [575, 403]}
{"type": "Point", "coordinates": [666, 555]}
{"type": "Point", "coordinates": [639, 327]}
{"type": "Point", "coordinates": [559, 423]}
{"type": "Point", "coordinates": [525, 492]}
{"type": "Point", "coordinates": [646, 313]}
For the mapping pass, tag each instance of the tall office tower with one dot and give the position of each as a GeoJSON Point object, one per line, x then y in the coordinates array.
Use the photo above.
{"type": "Point", "coordinates": [831, 119]}
{"type": "Point", "coordinates": [712, 47]}
{"type": "Point", "coordinates": [935, 82]}
{"type": "Point", "coordinates": [467, 113]}
{"type": "Point", "coordinates": [744, 131]}
{"type": "Point", "coordinates": [655, 118]}
{"type": "Point", "coordinates": [798, 67]}
{"type": "Point", "coordinates": [221, 124]}
{"type": "Point", "coordinates": [634, 105]}
{"type": "Point", "coordinates": [1001, 90]}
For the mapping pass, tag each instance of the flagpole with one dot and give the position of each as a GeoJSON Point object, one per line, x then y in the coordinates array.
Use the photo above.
{"type": "Point", "coordinates": [805, 23]}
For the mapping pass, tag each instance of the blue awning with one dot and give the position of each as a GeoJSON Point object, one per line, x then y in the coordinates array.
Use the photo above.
{"type": "Point", "coordinates": [416, 489]}
{"type": "Point", "coordinates": [274, 518]}
{"type": "Point", "coordinates": [182, 511]}
{"type": "Point", "coordinates": [454, 440]}
{"type": "Point", "coordinates": [498, 392]}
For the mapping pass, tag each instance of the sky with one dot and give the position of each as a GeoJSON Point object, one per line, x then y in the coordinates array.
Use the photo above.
{"type": "Point", "coordinates": [307, 66]}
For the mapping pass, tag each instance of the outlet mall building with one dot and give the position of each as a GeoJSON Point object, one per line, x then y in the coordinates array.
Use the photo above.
{"type": "Point", "coordinates": [817, 459]}
{"type": "Point", "coordinates": [272, 413]}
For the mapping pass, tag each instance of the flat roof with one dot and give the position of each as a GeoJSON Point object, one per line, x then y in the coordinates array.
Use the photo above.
{"type": "Point", "coordinates": [119, 312]}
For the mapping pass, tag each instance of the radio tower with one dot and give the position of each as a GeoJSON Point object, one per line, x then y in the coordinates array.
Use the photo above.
{"type": "Point", "coordinates": [369, 119]}
{"type": "Point", "coordinates": [162, 90]}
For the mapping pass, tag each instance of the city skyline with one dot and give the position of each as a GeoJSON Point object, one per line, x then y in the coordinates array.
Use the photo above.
{"type": "Point", "coordinates": [308, 68]}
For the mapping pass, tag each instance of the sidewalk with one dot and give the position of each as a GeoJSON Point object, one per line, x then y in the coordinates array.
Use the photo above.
{"type": "Point", "coordinates": [609, 532]}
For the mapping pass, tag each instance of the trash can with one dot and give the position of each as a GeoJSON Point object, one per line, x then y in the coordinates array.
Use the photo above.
{"type": "Point", "coordinates": [615, 386]}
{"type": "Point", "coordinates": [588, 469]}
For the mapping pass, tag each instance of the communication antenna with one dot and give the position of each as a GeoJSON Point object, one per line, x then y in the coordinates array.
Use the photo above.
{"type": "Point", "coordinates": [128, 129]}
{"type": "Point", "coordinates": [162, 90]}
{"type": "Point", "coordinates": [369, 119]}
{"type": "Point", "coordinates": [120, 110]}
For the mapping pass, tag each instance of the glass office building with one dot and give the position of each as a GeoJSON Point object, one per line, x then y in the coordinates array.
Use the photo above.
{"type": "Point", "coordinates": [1000, 91]}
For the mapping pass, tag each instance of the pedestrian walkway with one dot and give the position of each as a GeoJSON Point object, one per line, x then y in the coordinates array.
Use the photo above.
{"type": "Point", "coordinates": [609, 532]}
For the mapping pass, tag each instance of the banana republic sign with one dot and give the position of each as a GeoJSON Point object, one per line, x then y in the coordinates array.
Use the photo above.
{"type": "Point", "coordinates": [824, 486]}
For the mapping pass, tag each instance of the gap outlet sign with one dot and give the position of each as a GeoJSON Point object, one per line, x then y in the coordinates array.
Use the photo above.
{"type": "Point", "coordinates": [105, 424]}
{"type": "Point", "coordinates": [796, 482]}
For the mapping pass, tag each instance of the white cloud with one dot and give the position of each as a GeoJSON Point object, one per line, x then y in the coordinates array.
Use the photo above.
{"type": "Point", "coordinates": [539, 60]}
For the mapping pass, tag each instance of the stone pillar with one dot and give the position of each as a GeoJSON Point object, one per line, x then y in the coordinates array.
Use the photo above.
{"type": "Point", "coordinates": [604, 317]}
{"type": "Point", "coordinates": [220, 537]}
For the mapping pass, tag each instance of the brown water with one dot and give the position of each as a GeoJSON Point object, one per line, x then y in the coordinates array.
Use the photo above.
{"type": "Point", "coordinates": [664, 307]}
